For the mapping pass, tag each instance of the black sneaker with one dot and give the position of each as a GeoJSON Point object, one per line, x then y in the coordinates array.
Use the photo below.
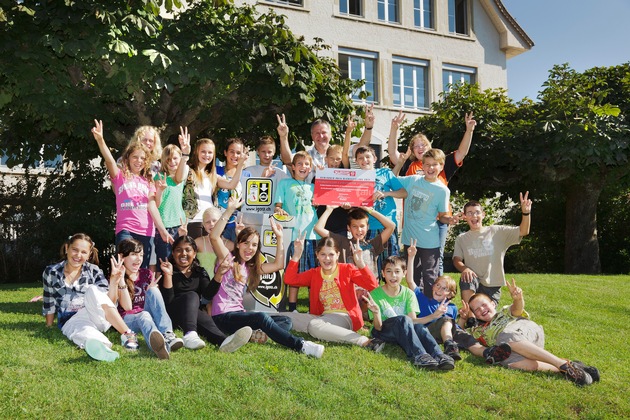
{"type": "Point", "coordinates": [591, 370]}
{"type": "Point", "coordinates": [376, 345]}
{"type": "Point", "coordinates": [496, 354]}
{"type": "Point", "coordinates": [451, 349]}
{"type": "Point", "coordinates": [426, 361]}
{"type": "Point", "coordinates": [445, 362]}
{"type": "Point", "coordinates": [576, 373]}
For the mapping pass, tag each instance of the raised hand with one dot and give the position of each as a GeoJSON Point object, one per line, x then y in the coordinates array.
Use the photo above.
{"type": "Point", "coordinates": [515, 291]}
{"type": "Point", "coordinates": [357, 254]}
{"type": "Point", "coordinates": [243, 156]}
{"type": "Point", "coordinates": [352, 123]}
{"type": "Point", "coordinates": [470, 122]}
{"type": "Point", "coordinates": [155, 280]}
{"type": "Point", "coordinates": [298, 246]}
{"type": "Point", "coordinates": [283, 128]}
{"type": "Point", "coordinates": [239, 224]}
{"type": "Point", "coordinates": [182, 230]}
{"type": "Point", "coordinates": [464, 312]}
{"type": "Point", "coordinates": [369, 116]}
{"type": "Point", "coordinates": [441, 309]}
{"type": "Point", "coordinates": [269, 171]}
{"type": "Point", "coordinates": [398, 120]}
{"type": "Point", "coordinates": [97, 130]}
{"type": "Point", "coordinates": [526, 203]}
{"type": "Point", "coordinates": [372, 306]}
{"type": "Point", "coordinates": [234, 203]}
{"type": "Point", "coordinates": [225, 266]}
{"type": "Point", "coordinates": [166, 267]}
{"type": "Point", "coordinates": [184, 140]}
{"type": "Point", "coordinates": [411, 249]}
{"type": "Point", "coordinates": [160, 183]}
{"type": "Point", "coordinates": [117, 273]}
{"type": "Point", "coordinates": [276, 228]}
{"type": "Point", "coordinates": [280, 211]}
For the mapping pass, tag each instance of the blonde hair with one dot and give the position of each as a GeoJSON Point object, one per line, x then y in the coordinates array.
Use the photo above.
{"type": "Point", "coordinates": [138, 136]}
{"type": "Point", "coordinates": [167, 153]}
{"type": "Point", "coordinates": [450, 283]}
{"type": "Point", "coordinates": [333, 148]}
{"type": "Point", "coordinates": [418, 138]}
{"type": "Point", "coordinates": [436, 154]}
{"type": "Point", "coordinates": [209, 212]}
{"type": "Point", "coordinates": [124, 162]}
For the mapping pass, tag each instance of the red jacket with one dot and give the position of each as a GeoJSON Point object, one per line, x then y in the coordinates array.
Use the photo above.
{"type": "Point", "coordinates": [349, 275]}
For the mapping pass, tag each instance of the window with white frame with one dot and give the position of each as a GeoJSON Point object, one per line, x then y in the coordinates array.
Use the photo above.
{"type": "Point", "coordinates": [351, 7]}
{"type": "Point", "coordinates": [452, 74]}
{"type": "Point", "coordinates": [410, 82]}
{"type": "Point", "coordinates": [458, 17]}
{"type": "Point", "coordinates": [388, 11]}
{"type": "Point", "coordinates": [423, 14]}
{"type": "Point", "coordinates": [360, 65]}
{"type": "Point", "coordinates": [290, 2]}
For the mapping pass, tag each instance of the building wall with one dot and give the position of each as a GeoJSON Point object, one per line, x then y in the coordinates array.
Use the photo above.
{"type": "Point", "coordinates": [481, 49]}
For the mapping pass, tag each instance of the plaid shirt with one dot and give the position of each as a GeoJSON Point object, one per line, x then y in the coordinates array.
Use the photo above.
{"type": "Point", "coordinates": [60, 297]}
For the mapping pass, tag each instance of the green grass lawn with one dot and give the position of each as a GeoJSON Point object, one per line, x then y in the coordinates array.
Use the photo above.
{"type": "Point", "coordinates": [585, 317]}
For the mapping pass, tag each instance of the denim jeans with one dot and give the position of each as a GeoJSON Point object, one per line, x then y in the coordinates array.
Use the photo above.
{"type": "Point", "coordinates": [153, 317]}
{"type": "Point", "coordinates": [164, 249]}
{"type": "Point", "coordinates": [232, 321]}
{"type": "Point", "coordinates": [414, 339]}
{"type": "Point", "coordinates": [147, 244]}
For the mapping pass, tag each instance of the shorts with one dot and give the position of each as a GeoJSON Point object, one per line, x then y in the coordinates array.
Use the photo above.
{"type": "Point", "coordinates": [521, 330]}
{"type": "Point", "coordinates": [435, 328]}
{"type": "Point", "coordinates": [493, 293]}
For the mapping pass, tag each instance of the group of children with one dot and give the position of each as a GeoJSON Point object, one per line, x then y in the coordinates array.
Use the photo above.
{"type": "Point", "coordinates": [208, 260]}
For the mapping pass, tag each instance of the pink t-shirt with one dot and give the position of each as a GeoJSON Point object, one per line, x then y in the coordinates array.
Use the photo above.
{"type": "Point", "coordinates": [229, 298]}
{"type": "Point", "coordinates": [132, 199]}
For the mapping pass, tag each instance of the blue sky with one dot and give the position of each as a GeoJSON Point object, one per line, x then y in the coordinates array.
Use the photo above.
{"type": "Point", "coordinates": [584, 34]}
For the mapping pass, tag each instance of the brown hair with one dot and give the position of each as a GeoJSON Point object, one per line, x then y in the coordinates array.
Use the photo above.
{"type": "Point", "coordinates": [327, 241]}
{"type": "Point", "coordinates": [166, 155]}
{"type": "Point", "coordinates": [418, 138]}
{"type": "Point", "coordinates": [395, 260]}
{"type": "Point", "coordinates": [210, 169]}
{"type": "Point", "coordinates": [436, 154]}
{"type": "Point", "coordinates": [356, 213]}
{"type": "Point", "coordinates": [264, 140]}
{"type": "Point", "coordinates": [301, 155]}
{"type": "Point", "coordinates": [254, 265]}
{"type": "Point", "coordinates": [364, 149]}
{"type": "Point", "coordinates": [92, 258]}
{"type": "Point", "coordinates": [126, 247]}
{"type": "Point", "coordinates": [472, 203]}
{"type": "Point", "coordinates": [450, 283]}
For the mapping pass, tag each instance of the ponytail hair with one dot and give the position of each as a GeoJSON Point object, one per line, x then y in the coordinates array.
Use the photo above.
{"type": "Point", "coordinates": [126, 247]}
{"type": "Point", "coordinates": [92, 258]}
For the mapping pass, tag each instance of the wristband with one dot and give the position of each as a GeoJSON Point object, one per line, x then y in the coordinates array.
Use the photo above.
{"type": "Point", "coordinates": [526, 214]}
{"type": "Point", "coordinates": [185, 154]}
{"type": "Point", "coordinates": [122, 287]}
{"type": "Point", "coordinates": [369, 128]}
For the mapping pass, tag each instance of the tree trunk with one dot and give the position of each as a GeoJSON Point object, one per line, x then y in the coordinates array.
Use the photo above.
{"type": "Point", "coordinates": [581, 250]}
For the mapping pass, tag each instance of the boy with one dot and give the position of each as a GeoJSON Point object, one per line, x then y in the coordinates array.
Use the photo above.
{"type": "Point", "coordinates": [394, 309]}
{"type": "Point", "coordinates": [294, 197]}
{"type": "Point", "coordinates": [259, 193]}
{"type": "Point", "coordinates": [427, 202]}
{"type": "Point", "coordinates": [358, 219]}
{"type": "Point", "coordinates": [479, 253]}
{"type": "Point", "coordinates": [386, 188]}
{"type": "Point", "coordinates": [511, 325]}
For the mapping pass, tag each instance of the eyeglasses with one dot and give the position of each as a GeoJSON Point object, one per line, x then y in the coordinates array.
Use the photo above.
{"type": "Point", "coordinates": [442, 288]}
{"type": "Point", "coordinates": [474, 213]}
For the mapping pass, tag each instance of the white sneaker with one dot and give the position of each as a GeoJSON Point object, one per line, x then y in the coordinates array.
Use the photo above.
{"type": "Point", "coordinates": [312, 349]}
{"type": "Point", "coordinates": [98, 350]}
{"type": "Point", "coordinates": [192, 341]}
{"type": "Point", "coordinates": [158, 344]}
{"type": "Point", "coordinates": [236, 340]}
{"type": "Point", "coordinates": [173, 343]}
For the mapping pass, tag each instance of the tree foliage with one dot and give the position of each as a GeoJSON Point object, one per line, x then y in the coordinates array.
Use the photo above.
{"type": "Point", "coordinates": [219, 69]}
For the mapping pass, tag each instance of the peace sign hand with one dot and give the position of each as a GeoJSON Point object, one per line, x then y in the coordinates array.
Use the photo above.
{"type": "Point", "coordinates": [369, 116]}
{"type": "Point", "coordinates": [515, 291]}
{"type": "Point", "coordinates": [184, 140]}
{"type": "Point", "coordinates": [372, 306]}
{"type": "Point", "coordinates": [160, 183]}
{"type": "Point", "coordinates": [357, 255]}
{"type": "Point", "coordinates": [526, 203]}
{"type": "Point", "coordinates": [283, 128]}
{"type": "Point", "coordinates": [352, 123]}
{"type": "Point", "coordinates": [398, 120]}
{"type": "Point", "coordinates": [411, 249]}
{"type": "Point", "coordinates": [465, 312]}
{"type": "Point", "coordinates": [298, 246]}
{"type": "Point", "coordinates": [117, 273]}
{"type": "Point", "coordinates": [470, 122]}
{"type": "Point", "coordinates": [97, 131]}
{"type": "Point", "coordinates": [166, 267]}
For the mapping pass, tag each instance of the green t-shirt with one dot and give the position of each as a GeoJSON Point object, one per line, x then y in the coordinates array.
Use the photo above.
{"type": "Point", "coordinates": [170, 208]}
{"type": "Point", "coordinates": [390, 306]}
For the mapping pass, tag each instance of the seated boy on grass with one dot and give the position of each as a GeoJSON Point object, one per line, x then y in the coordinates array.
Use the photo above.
{"type": "Point", "coordinates": [393, 308]}
{"type": "Point", "coordinates": [511, 325]}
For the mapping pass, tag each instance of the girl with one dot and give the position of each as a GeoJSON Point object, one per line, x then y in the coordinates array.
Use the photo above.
{"type": "Point", "coordinates": [245, 273]}
{"type": "Point", "coordinates": [233, 151]}
{"type": "Point", "coordinates": [294, 197]}
{"type": "Point", "coordinates": [136, 210]}
{"type": "Point", "coordinates": [183, 284]}
{"type": "Point", "coordinates": [149, 136]}
{"type": "Point", "coordinates": [206, 180]}
{"type": "Point", "coordinates": [334, 313]}
{"type": "Point", "coordinates": [76, 290]}
{"type": "Point", "coordinates": [140, 303]}
{"type": "Point", "coordinates": [170, 188]}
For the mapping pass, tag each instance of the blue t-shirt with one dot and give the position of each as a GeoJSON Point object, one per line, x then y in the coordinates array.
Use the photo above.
{"type": "Point", "coordinates": [429, 306]}
{"type": "Point", "coordinates": [423, 203]}
{"type": "Point", "coordinates": [297, 198]}
{"type": "Point", "coordinates": [385, 181]}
